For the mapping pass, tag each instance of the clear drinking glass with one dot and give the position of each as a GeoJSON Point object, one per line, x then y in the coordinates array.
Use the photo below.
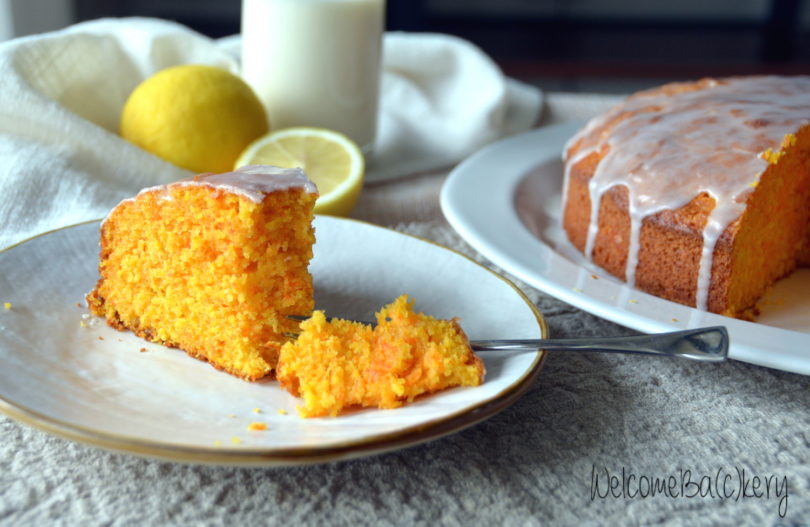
{"type": "Point", "coordinates": [316, 62]}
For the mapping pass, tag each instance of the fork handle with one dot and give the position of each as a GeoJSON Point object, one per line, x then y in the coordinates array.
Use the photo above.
{"type": "Point", "coordinates": [704, 344]}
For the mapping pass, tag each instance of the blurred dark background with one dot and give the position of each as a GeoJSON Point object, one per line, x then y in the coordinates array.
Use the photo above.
{"type": "Point", "coordinates": [608, 46]}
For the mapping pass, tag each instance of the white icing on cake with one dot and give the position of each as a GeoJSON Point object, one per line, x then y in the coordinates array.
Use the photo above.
{"type": "Point", "coordinates": [667, 149]}
{"type": "Point", "coordinates": [252, 181]}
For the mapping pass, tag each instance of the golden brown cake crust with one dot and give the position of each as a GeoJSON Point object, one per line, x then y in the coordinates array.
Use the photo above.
{"type": "Point", "coordinates": [670, 242]}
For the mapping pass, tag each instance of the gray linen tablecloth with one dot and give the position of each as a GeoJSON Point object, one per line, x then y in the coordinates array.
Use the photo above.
{"type": "Point", "coordinates": [731, 442]}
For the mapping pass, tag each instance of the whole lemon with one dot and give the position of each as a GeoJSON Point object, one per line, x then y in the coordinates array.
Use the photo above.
{"type": "Point", "coordinates": [197, 117]}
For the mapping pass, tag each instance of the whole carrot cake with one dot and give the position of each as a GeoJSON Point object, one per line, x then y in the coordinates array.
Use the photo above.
{"type": "Point", "coordinates": [211, 265]}
{"type": "Point", "coordinates": [338, 364]}
{"type": "Point", "coordinates": [697, 192]}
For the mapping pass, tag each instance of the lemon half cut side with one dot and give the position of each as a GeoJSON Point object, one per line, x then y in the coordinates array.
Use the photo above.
{"type": "Point", "coordinates": [330, 159]}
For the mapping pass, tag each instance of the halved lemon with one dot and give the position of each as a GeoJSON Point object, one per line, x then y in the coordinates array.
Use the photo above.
{"type": "Point", "coordinates": [330, 159]}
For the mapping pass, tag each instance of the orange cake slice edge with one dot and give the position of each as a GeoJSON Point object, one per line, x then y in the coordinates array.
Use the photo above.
{"type": "Point", "coordinates": [212, 265]}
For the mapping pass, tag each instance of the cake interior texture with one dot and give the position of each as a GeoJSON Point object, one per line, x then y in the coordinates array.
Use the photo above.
{"type": "Point", "coordinates": [720, 214]}
{"type": "Point", "coordinates": [209, 270]}
{"type": "Point", "coordinates": [337, 364]}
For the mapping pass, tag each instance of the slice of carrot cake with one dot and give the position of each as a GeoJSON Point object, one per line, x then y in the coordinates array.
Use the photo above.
{"type": "Point", "coordinates": [211, 265]}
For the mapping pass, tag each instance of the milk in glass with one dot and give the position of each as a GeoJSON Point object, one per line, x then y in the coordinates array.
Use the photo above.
{"type": "Point", "coordinates": [316, 62]}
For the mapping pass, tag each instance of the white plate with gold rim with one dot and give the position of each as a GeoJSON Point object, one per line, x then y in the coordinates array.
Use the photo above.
{"type": "Point", "coordinates": [72, 375]}
{"type": "Point", "coordinates": [505, 202]}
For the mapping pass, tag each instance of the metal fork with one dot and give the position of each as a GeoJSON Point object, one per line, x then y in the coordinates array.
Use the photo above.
{"type": "Point", "coordinates": [703, 344]}
{"type": "Point", "coordinates": [708, 344]}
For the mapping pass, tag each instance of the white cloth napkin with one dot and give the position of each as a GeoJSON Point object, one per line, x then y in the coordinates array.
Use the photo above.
{"type": "Point", "coordinates": [61, 93]}
{"type": "Point", "coordinates": [443, 99]}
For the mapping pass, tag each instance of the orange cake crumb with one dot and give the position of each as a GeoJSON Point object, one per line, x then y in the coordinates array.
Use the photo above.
{"type": "Point", "coordinates": [339, 364]}
{"type": "Point", "coordinates": [211, 265]}
{"type": "Point", "coordinates": [257, 426]}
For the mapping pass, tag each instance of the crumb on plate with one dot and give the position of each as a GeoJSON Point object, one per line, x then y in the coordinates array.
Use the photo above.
{"type": "Point", "coordinates": [336, 364]}
{"type": "Point", "coordinates": [257, 426]}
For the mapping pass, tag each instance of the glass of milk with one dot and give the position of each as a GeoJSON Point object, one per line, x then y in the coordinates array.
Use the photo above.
{"type": "Point", "coordinates": [316, 62]}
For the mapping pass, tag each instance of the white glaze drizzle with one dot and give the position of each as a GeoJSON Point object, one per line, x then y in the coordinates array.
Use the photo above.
{"type": "Point", "coordinates": [252, 182]}
{"type": "Point", "coordinates": [667, 149]}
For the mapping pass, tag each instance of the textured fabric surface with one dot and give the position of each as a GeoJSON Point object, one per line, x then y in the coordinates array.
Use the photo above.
{"type": "Point", "coordinates": [531, 464]}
